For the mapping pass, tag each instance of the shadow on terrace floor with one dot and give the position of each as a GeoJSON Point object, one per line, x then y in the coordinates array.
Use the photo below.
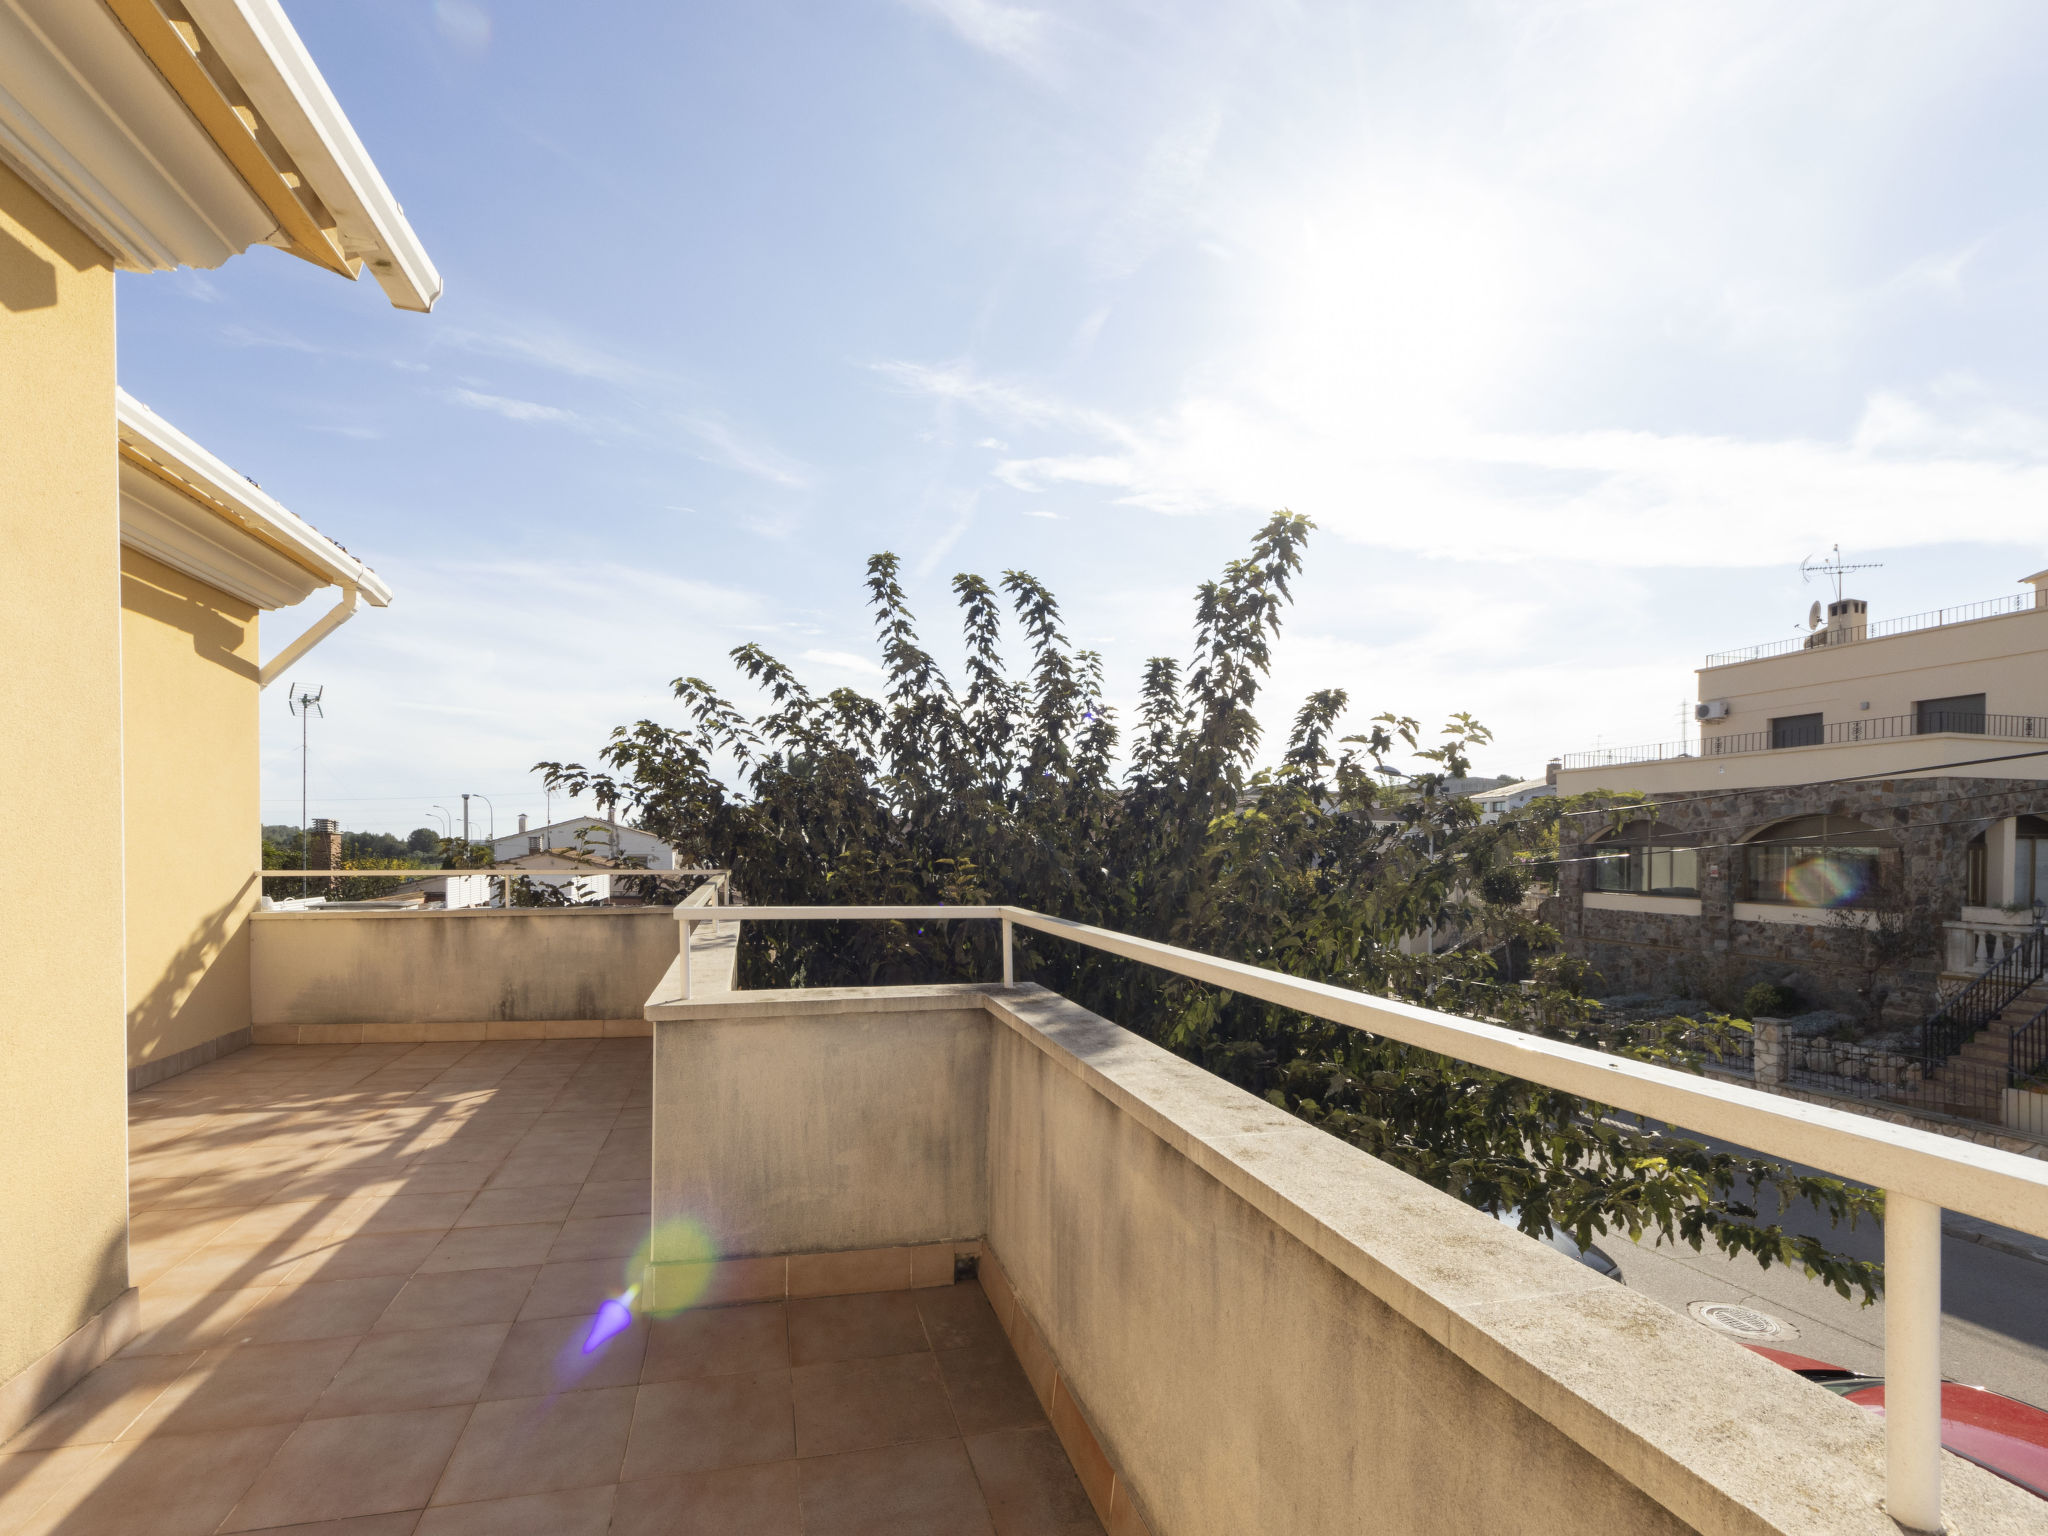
{"type": "Point", "coordinates": [368, 1277]}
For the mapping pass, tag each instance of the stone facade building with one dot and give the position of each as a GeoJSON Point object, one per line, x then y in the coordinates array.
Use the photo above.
{"type": "Point", "coordinates": [1713, 929]}
{"type": "Point", "coordinates": [1863, 816]}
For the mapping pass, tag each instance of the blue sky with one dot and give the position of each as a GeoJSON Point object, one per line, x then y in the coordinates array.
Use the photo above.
{"type": "Point", "coordinates": [1574, 327]}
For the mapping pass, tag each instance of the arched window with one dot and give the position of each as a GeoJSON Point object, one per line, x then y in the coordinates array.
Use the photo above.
{"type": "Point", "coordinates": [1815, 861]}
{"type": "Point", "coordinates": [1646, 859]}
{"type": "Point", "coordinates": [2030, 860]}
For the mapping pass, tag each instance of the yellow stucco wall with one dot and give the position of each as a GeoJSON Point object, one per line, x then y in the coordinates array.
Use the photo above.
{"type": "Point", "coordinates": [189, 697]}
{"type": "Point", "coordinates": [63, 1086]}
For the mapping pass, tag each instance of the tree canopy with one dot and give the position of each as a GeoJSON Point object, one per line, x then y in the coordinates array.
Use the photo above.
{"type": "Point", "coordinates": [1324, 863]}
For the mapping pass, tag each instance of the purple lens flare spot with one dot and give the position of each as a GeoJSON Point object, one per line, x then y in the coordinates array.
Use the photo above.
{"type": "Point", "coordinates": [613, 1318]}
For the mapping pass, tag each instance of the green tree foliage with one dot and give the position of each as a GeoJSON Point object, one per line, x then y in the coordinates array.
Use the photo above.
{"type": "Point", "coordinates": [1005, 787]}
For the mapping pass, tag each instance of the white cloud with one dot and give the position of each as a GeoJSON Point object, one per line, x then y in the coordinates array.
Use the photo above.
{"type": "Point", "coordinates": [725, 444]}
{"type": "Point", "coordinates": [1010, 32]}
{"type": "Point", "coordinates": [520, 410]}
{"type": "Point", "coordinates": [1615, 498]}
{"type": "Point", "coordinates": [845, 661]}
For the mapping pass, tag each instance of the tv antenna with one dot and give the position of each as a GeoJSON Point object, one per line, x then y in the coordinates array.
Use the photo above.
{"type": "Point", "coordinates": [305, 703]}
{"type": "Point", "coordinates": [1834, 566]}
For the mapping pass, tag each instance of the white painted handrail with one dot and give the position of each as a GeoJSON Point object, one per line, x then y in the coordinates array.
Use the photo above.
{"type": "Point", "coordinates": [1922, 1173]}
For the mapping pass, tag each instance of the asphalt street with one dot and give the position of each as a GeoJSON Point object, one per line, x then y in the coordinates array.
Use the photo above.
{"type": "Point", "coordinates": [1994, 1304]}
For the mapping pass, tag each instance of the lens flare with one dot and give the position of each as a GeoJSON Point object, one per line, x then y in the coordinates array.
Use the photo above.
{"type": "Point", "coordinates": [674, 1266]}
{"type": "Point", "coordinates": [1824, 882]}
{"type": "Point", "coordinates": [614, 1317]}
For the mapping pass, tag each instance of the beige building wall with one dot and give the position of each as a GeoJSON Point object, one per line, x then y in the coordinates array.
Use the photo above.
{"type": "Point", "coordinates": [2003, 658]}
{"type": "Point", "coordinates": [192, 813]}
{"type": "Point", "coordinates": [63, 1093]}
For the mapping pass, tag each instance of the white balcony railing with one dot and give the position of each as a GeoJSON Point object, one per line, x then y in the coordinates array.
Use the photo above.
{"type": "Point", "coordinates": [1922, 1173]}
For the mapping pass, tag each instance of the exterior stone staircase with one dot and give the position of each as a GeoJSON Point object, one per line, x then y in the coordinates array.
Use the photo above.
{"type": "Point", "coordinates": [1972, 1082]}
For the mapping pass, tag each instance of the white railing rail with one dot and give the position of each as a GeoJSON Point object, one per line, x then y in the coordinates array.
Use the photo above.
{"type": "Point", "coordinates": [1922, 1173]}
{"type": "Point", "coordinates": [720, 879]}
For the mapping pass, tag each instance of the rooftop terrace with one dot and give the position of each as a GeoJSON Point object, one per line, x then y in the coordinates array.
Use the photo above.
{"type": "Point", "coordinates": [368, 1277]}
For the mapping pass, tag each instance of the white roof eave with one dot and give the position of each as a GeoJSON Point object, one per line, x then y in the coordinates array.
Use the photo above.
{"type": "Point", "coordinates": [259, 514]}
{"type": "Point", "coordinates": [264, 50]}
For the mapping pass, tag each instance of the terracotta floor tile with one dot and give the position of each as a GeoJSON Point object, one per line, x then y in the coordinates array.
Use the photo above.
{"type": "Point", "coordinates": [851, 1405]}
{"type": "Point", "coordinates": [101, 1406]}
{"type": "Point", "coordinates": [614, 1197]}
{"type": "Point", "coordinates": [522, 1171]}
{"type": "Point", "coordinates": [369, 1464]}
{"type": "Point", "coordinates": [400, 1524]}
{"type": "Point", "coordinates": [320, 1309]}
{"type": "Point", "coordinates": [456, 1297]}
{"type": "Point", "coordinates": [387, 1372]}
{"type": "Point", "coordinates": [30, 1479]}
{"type": "Point", "coordinates": [366, 1254]}
{"type": "Point", "coordinates": [172, 1485]}
{"type": "Point", "coordinates": [1030, 1487]}
{"type": "Point", "coordinates": [925, 1489]}
{"type": "Point", "coordinates": [710, 1422]}
{"type": "Point", "coordinates": [539, 1444]}
{"type": "Point", "coordinates": [285, 1218]}
{"type": "Point", "coordinates": [735, 1501]}
{"type": "Point", "coordinates": [573, 1288]}
{"type": "Point", "coordinates": [492, 1248]}
{"type": "Point", "coordinates": [988, 1389]}
{"type": "Point", "coordinates": [957, 1316]}
{"type": "Point", "coordinates": [718, 1341]}
{"type": "Point", "coordinates": [552, 1354]}
{"type": "Point", "coordinates": [615, 1167]}
{"type": "Point", "coordinates": [223, 1265]}
{"type": "Point", "coordinates": [182, 1322]}
{"type": "Point", "coordinates": [599, 1237]}
{"type": "Point", "coordinates": [398, 1213]}
{"type": "Point", "coordinates": [242, 1387]}
{"type": "Point", "coordinates": [571, 1512]}
{"type": "Point", "coordinates": [854, 1327]}
{"type": "Point", "coordinates": [517, 1206]}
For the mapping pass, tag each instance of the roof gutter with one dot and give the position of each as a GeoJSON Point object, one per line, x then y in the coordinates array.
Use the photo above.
{"type": "Point", "coordinates": [160, 448]}
{"type": "Point", "coordinates": [285, 86]}
{"type": "Point", "coordinates": [332, 620]}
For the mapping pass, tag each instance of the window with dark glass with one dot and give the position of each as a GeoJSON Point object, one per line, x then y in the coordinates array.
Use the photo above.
{"type": "Point", "coordinates": [1963, 712]}
{"type": "Point", "coordinates": [1976, 874]}
{"type": "Point", "coordinates": [2030, 861]}
{"type": "Point", "coordinates": [1796, 731]}
{"type": "Point", "coordinates": [1816, 861]}
{"type": "Point", "coordinates": [1643, 859]}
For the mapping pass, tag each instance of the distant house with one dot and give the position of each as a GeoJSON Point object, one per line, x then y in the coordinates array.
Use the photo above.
{"type": "Point", "coordinates": [1496, 803]}
{"type": "Point", "coordinates": [590, 836]}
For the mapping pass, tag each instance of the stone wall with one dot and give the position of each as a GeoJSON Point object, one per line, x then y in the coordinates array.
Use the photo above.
{"type": "Point", "coordinates": [1717, 955]}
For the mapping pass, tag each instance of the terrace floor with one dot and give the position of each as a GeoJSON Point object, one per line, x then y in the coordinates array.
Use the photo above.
{"type": "Point", "coordinates": [368, 1278]}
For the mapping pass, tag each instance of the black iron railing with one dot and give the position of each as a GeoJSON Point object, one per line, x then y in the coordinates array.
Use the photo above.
{"type": "Point", "coordinates": [1833, 733]}
{"type": "Point", "coordinates": [1990, 608]}
{"type": "Point", "coordinates": [2027, 1053]}
{"type": "Point", "coordinates": [1959, 1020]}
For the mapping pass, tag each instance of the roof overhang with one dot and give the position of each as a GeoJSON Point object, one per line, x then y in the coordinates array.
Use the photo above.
{"type": "Point", "coordinates": [182, 132]}
{"type": "Point", "coordinates": [182, 505]}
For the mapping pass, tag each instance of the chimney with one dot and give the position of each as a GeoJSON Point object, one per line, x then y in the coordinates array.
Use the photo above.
{"type": "Point", "coordinates": [1848, 620]}
{"type": "Point", "coordinates": [1551, 770]}
{"type": "Point", "coordinates": [323, 844]}
{"type": "Point", "coordinates": [522, 821]}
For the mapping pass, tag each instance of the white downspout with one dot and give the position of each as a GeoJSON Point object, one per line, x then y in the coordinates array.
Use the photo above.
{"type": "Point", "coordinates": [335, 617]}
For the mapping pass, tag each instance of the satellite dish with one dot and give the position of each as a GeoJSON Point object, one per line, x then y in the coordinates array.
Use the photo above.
{"type": "Point", "coordinates": [1813, 617]}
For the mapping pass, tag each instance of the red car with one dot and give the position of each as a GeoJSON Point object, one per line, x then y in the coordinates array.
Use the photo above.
{"type": "Point", "coordinates": [2000, 1434]}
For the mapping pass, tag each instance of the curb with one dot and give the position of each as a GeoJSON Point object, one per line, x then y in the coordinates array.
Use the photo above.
{"type": "Point", "coordinates": [1982, 1233]}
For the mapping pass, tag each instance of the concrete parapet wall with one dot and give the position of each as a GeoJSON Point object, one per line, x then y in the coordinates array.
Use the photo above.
{"type": "Point", "coordinates": [1249, 1324]}
{"type": "Point", "coordinates": [474, 966]}
{"type": "Point", "coordinates": [822, 1121]}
